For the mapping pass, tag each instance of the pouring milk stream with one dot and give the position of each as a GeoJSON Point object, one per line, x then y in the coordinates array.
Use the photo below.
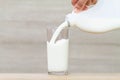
{"type": "Point", "coordinates": [104, 16]}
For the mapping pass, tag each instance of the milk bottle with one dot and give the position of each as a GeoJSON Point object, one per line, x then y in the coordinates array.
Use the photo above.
{"type": "Point", "coordinates": [102, 17]}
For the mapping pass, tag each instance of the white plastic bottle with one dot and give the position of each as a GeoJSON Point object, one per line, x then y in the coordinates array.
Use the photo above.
{"type": "Point", "coordinates": [102, 17]}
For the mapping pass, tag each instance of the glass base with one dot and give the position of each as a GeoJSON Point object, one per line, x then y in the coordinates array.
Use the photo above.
{"type": "Point", "coordinates": [58, 73]}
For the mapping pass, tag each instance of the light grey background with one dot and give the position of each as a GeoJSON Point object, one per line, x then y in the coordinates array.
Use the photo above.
{"type": "Point", "coordinates": [23, 39]}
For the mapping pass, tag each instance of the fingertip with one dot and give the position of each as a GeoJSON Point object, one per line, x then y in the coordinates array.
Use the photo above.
{"type": "Point", "coordinates": [74, 2]}
{"type": "Point", "coordinates": [77, 10]}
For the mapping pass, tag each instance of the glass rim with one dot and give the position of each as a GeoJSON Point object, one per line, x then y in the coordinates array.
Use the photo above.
{"type": "Point", "coordinates": [64, 34]}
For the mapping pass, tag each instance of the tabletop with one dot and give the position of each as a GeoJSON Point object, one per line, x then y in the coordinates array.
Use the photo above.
{"type": "Point", "coordinates": [77, 76]}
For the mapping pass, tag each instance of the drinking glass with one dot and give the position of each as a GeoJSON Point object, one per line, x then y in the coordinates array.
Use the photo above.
{"type": "Point", "coordinates": [58, 52]}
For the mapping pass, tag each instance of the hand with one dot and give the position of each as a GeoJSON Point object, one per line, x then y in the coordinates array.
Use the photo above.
{"type": "Point", "coordinates": [80, 5]}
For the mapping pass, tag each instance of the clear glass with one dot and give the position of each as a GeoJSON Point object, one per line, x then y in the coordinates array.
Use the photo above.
{"type": "Point", "coordinates": [58, 52]}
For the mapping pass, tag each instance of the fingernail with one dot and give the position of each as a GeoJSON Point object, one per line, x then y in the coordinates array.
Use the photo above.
{"type": "Point", "coordinates": [76, 10]}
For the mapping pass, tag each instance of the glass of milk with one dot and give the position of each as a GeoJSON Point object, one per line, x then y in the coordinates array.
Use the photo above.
{"type": "Point", "coordinates": [58, 52]}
